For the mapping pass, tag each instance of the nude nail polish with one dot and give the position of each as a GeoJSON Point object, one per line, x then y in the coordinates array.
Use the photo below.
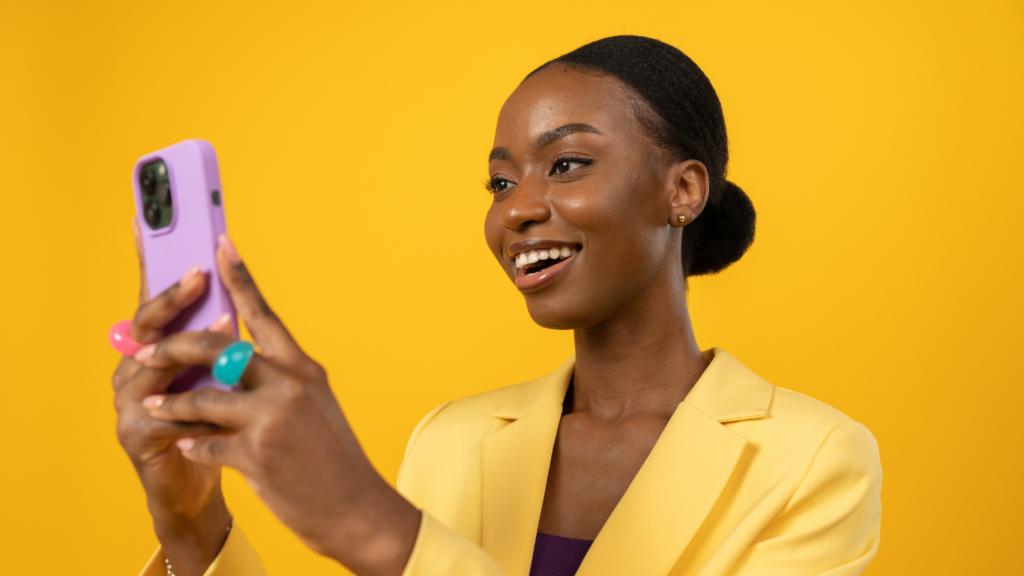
{"type": "Point", "coordinates": [153, 402]}
{"type": "Point", "coordinates": [145, 353]}
{"type": "Point", "coordinates": [189, 277]}
{"type": "Point", "coordinates": [230, 252]}
{"type": "Point", "coordinates": [221, 324]}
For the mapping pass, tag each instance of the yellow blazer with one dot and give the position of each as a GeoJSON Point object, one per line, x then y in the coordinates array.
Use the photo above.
{"type": "Point", "coordinates": [746, 479]}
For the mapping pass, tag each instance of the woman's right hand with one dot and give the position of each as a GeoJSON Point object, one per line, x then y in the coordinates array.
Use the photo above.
{"type": "Point", "coordinates": [184, 497]}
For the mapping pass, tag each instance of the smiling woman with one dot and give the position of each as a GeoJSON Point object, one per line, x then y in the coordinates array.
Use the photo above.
{"type": "Point", "coordinates": [639, 455]}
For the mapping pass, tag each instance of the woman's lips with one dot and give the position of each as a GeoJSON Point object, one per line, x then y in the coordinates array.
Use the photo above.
{"type": "Point", "coordinates": [530, 282]}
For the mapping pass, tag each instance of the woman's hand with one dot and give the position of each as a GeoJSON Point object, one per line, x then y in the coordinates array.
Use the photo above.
{"type": "Point", "coordinates": [184, 496]}
{"type": "Point", "coordinates": [286, 433]}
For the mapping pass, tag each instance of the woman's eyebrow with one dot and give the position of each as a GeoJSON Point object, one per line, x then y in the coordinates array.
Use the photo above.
{"type": "Point", "coordinates": [545, 139]}
{"type": "Point", "coordinates": [500, 153]}
{"type": "Point", "coordinates": [556, 134]}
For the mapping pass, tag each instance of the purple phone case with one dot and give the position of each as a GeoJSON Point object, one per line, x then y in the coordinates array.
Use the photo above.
{"type": "Point", "coordinates": [190, 239]}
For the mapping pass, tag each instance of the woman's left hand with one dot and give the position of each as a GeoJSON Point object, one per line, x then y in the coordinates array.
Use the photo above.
{"type": "Point", "coordinates": [286, 433]}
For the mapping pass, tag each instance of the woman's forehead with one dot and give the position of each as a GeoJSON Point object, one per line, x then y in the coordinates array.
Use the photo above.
{"type": "Point", "coordinates": [558, 96]}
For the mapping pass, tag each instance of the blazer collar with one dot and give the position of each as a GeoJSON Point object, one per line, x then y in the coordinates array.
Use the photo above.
{"type": "Point", "coordinates": [668, 500]}
{"type": "Point", "coordinates": [549, 389]}
{"type": "Point", "coordinates": [728, 391]}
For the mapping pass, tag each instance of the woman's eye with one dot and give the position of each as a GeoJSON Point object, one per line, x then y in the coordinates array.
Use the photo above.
{"type": "Point", "coordinates": [564, 165]}
{"type": "Point", "coordinates": [499, 185]}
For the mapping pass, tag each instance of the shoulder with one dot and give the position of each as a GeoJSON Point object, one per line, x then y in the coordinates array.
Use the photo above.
{"type": "Point", "coordinates": [465, 416]}
{"type": "Point", "coordinates": [818, 474]}
{"type": "Point", "coordinates": [460, 424]}
{"type": "Point", "coordinates": [465, 422]}
{"type": "Point", "coordinates": [800, 412]}
{"type": "Point", "coordinates": [443, 456]}
{"type": "Point", "coordinates": [805, 458]}
{"type": "Point", "coordinates": [836, 438]}
{"type": "Point", "coordinates": [788, 430]}
{"type": "Point", "coordinates": [753, 407]}
{"type": "Point", "coordinates": [800, 434]}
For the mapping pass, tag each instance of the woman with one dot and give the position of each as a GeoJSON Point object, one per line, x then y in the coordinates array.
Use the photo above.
{"type": "Point", "coordinates": [640, 455]}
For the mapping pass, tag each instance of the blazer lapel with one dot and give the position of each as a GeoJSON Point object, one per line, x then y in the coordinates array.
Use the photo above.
{"type": "Point", "coordinates": [684, 475]}
{"type": "Point", "coordinates": [666, 503]}
{"type": "Point", "coordinates": [668, 499]}
{"type": "Point", "coordinates": [516, 458]}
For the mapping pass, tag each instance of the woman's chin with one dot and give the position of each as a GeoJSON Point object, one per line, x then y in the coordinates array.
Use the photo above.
{"type": "Point", "coordinates": [556, 315]}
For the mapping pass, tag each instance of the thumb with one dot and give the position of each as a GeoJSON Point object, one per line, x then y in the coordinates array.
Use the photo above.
{"type": "Point", "coordinates": [144, 285]}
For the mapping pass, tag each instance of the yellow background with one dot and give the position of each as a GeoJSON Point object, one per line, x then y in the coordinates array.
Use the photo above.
{"type": "Point", "coordinates": [880, 142]}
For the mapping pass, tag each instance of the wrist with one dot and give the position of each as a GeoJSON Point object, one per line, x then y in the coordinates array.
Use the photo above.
{"type": "Point", "coordinates": [377, 538]}
{"type": "Point", "coordinates": [192, 542]}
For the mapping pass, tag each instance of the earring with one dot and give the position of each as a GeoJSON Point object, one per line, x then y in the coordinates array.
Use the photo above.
{"type": "Point", "coordinates": [682, 219]}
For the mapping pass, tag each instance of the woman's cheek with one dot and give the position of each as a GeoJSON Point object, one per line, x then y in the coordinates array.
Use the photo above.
{"type": "Point", "coordinates": [494, 234]}
{"type": "Point", "coordinates": [593, 210]}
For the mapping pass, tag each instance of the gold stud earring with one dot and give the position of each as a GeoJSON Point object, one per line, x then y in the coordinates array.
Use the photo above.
{"type": "Point", "coordinates": [682, 219]}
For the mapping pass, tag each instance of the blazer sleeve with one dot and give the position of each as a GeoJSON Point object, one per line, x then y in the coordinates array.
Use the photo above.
{"type": "Point", "coordinates": [236, 558]}
{"type": "Point", "coordinates": [440, 551]}
{"type": "Point", "coordinates": [831, 525]}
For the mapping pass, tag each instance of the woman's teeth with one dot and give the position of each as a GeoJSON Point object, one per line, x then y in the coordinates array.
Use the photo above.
{"type": "Point", "coordinates": [534, 256]}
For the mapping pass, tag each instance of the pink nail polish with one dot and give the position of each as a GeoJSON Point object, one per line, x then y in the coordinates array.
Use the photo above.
{"type": "Point", "coordinates": [145, 353]}
{"type": "Point", "coordinates": [153, 402]}
{"type": "Point", "coordinates": [229, 249]}
{"type": "Point", "coordinates": [186, 444]}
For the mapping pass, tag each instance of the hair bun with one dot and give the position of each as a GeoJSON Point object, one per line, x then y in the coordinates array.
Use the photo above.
{"type": "Point", "coordinates": [722, 233]}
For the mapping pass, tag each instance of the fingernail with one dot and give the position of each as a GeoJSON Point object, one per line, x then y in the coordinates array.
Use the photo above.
{"type": "Point", "coordinates": [221, 324]}
{"type": "Point", "coordinates": [145, 353]}
{"type": "Point", "coordinates": [229, 249]}
{"type": "Point", "coordinates": [153, 402]}
{"type": "Point", "coordinates": [189, 277]}
{"type": "Point", "coordinates": [186, 444]}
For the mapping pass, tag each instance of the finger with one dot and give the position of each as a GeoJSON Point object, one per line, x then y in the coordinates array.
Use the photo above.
{"type": "Point", "coordinates": [129, 367]}
{"type": "Point", "coordinates": [144, 382]}
{"type": "Point", "coordinates": [267, 329]}
{"type": "Point", "coordinates": [225, 409]}
{"type": "Point", "coordinates": [184, 349]}
{"type": "Point", "coordinates": [202, 349]}
{"type": "Point", "coordinates": [126, 370]}
{"type": "Point", "coordinates": [144, 284]}
{"type": "Point", "coordinates": [136, 427]}
{"type": "Point", "coordinates": [224, 325]}
{"type": "Point", "coordinates": [153, 316]}
{"type": "Point", "coordinates": [218, 450]}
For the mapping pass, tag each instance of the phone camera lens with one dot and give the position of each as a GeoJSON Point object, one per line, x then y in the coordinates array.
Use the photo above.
{"type": "Point", "coordinates": [163, 193]}
{"type": "Point", "coordinates": [151, 211]}
{"type": "Point", "coordinates": [146, 180]}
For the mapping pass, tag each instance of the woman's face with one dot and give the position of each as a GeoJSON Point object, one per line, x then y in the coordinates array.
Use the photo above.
{"type": "Point", "coordinates": [583, 199]}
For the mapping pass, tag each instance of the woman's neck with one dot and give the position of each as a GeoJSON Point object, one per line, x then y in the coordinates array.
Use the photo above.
{"type": "Point", "coordinates": [645, 360]}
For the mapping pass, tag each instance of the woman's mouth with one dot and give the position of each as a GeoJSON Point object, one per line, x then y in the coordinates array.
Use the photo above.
{"type": "Point", "coordinates": [537, 268]}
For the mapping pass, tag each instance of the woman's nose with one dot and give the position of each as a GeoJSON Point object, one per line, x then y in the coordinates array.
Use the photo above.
{"type": "Point", "coordinates": [526, 205]}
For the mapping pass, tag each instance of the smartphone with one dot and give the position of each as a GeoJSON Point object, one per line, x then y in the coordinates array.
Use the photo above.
{"type": "Point", "coordinates": [179, 205]}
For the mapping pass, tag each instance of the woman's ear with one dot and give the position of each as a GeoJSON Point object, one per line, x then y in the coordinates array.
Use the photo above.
{"type": "Point", "coordinates": [688, 185]}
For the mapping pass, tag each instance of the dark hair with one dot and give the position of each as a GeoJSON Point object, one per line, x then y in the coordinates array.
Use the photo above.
{"type": "Point", "coordinates": [681, 111]}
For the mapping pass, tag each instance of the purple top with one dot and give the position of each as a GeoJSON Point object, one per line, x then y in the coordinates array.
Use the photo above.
{"type": "Point", "coordinates": [558, 556]}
